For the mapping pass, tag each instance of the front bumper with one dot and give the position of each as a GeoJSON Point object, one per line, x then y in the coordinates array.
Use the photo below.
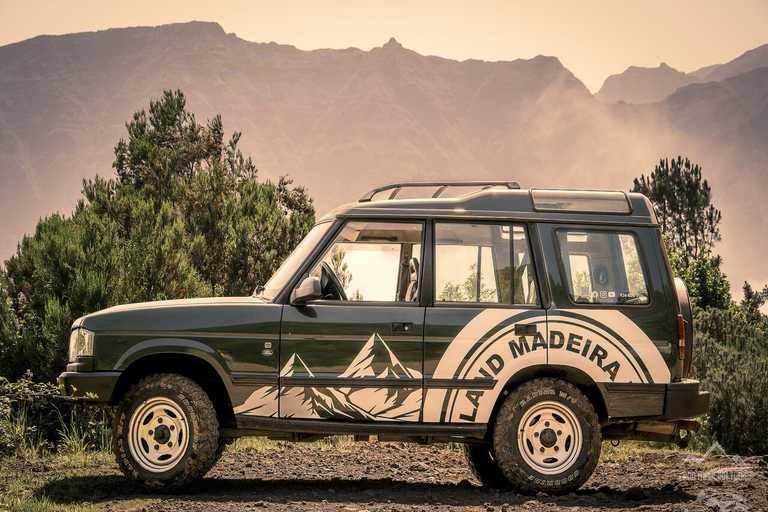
{"type": "Point", "coordinates": [90, 386]}
{"type": "Point", "coordinates": [685, 400]}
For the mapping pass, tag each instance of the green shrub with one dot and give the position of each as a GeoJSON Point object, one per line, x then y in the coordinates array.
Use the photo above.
{"type": "Point", "coordinates": [730, 361]}
{"type": "Point", "coordinates": [35, 419]}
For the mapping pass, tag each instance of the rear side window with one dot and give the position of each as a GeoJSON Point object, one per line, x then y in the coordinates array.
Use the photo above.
{"type": "Point", "coordinates": [483, 263]}
{"type": "Point", "coordinates": [603, 267]}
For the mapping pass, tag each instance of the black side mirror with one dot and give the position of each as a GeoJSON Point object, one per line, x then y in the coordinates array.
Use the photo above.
{"type": "Point", "coordinates": [308, 289]}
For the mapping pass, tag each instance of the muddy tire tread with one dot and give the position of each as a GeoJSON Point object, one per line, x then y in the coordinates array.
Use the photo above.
{"type": "Point", "coordinates": [511, 408]}
{"type": "Point", "coordinates": [206, 431]}
{"type": "Point", "coordinates": [484, 467]}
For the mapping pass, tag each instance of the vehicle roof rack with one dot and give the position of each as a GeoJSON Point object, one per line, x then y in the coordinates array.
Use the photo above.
{"type": "Point", "coordinates": [441, 187]}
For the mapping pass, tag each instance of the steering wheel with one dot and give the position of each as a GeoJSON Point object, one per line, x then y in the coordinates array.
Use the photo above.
{"type": "Point", "coordinates": [330, 284]}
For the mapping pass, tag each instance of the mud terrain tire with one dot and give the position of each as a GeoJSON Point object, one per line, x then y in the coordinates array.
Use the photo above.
{"type": "Point", "coordinates": [483, 465]}
{"type": "Point", "coordinates": [166, 434]}
{"type": "Point", "coordinates": [547, 437]}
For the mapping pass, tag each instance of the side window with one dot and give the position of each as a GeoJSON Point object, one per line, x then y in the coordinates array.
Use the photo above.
{"type": "Point", "coordinates": [483, 263]}
{"type": "Point", "coordinates": [372, 261]}
{"type": "Point", "coordinates": [603, 267]}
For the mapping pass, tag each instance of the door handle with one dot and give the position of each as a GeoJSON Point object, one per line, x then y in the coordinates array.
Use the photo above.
{"type": "Point", "coordinates": [402, 327]}
{"type": "Point", "coordinates": [526, 329]}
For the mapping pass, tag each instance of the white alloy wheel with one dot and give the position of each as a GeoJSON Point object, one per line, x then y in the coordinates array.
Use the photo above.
{"type": "Point", "coordinates": [158, 434]}
{"type": "Point", "coordinates": [550, 438]}
{"type": "Point", "coordinates": [166, 432]}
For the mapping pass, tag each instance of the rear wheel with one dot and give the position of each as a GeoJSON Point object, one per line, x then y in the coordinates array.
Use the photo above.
{"type": "Point", "coordinates": [483, 465]}
{"type": "Point", "coordinates": [547, 437]}
{"type": "Point", "coordinates": [166, 434]}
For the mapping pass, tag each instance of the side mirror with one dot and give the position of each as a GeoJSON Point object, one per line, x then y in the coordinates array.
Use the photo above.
{"type": "Point", "coordinates": [308, 289]}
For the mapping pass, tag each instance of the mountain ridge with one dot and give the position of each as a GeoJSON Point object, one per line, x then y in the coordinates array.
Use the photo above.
{"type": "Point", "coordinates": [341, 122]}
{"type": "Point", "coordinates": [649, 85]}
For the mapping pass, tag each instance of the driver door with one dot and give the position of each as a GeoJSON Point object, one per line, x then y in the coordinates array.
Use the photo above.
{"type": "Point", "coordinates": [356, 354]}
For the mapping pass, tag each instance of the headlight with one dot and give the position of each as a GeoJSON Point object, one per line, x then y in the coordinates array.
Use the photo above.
{"type": "Point", "coordinates": [80, 344]}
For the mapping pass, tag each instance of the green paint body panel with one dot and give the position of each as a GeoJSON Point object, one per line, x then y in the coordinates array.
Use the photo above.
{"type": "Point", "coordinates": [414, 362]}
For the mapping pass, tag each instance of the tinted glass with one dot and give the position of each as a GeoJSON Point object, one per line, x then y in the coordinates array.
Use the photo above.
{"type": "Point", "coordinates": [483, 263]}
{"type": "Point", "coordinates": [376, 261]}
{"type": "Point", "coordinates": [294, 261]}
{"type": "Point", "coordinates": [603, 267]}
{"type": "Point", "coordinates": [580, 201]}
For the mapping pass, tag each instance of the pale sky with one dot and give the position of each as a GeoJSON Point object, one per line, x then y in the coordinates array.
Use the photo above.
{"type": "Point", "coordinates": [592, 38]}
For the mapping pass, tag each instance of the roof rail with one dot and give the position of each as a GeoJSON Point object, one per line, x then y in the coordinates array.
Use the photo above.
{"type": "Point", "coordinates": [442, 185]}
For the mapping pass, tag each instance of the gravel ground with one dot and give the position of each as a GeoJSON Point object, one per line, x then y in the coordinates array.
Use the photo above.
{"type": "Point", "coordinates": [394, 477]}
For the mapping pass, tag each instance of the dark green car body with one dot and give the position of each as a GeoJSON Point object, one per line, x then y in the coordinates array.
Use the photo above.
{"type": "Point", "coordinates": [436, 366]}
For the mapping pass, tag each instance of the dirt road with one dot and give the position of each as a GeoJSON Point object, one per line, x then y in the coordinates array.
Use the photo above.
{"type": "Point", "coordinates": [386, 477]}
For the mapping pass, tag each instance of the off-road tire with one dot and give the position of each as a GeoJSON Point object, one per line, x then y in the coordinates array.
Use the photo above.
{"type": "Point", "coordinates": [220, 449]}
{"type": "Point", "coordinates": [482, 463]}
{"type": "Point", "coordinates": [531, 437]}
{"type": "Point", "coordinates": [180, 412]}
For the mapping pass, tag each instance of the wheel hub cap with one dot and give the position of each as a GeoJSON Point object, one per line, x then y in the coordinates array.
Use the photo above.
{"type": "Point", "coordinates": [158, 434]}
{"type": "Point", "coordinates": [550, 438]}
{"type": "Point", "coordinates": [162, 434]}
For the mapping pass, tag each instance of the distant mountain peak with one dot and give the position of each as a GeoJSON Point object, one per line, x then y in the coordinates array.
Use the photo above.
{"type": "Point", "coordinates": [643, 85]}
{"type": "Point", "coordinates": [392, 43]}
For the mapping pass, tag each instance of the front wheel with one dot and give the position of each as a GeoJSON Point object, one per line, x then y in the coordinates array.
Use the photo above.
{"type": "Point", "coordinates": [166, 434]}
{"type": "Point", "coordinates": [547, 437]}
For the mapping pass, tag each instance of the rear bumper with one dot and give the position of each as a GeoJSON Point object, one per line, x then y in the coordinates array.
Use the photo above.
{"type": "Point", "coordinates": [661, 402]}
{"type": "Point", "coordinates": [685, 400]}
{"type": "Point", "coordinates": [90, 386]}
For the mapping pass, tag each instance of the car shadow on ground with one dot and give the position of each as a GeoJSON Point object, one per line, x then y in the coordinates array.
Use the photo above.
{"type": "Point", "coordinates": [319, 493]}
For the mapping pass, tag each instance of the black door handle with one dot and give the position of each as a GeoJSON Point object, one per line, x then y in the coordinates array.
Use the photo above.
{"type": "Point", "coordinates": [402, 327]}
{"type": "Point", "coordinates": [525, 329]}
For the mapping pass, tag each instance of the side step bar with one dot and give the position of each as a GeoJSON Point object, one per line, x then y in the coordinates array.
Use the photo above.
{"type": "Point", "coordinates": [304, 430]}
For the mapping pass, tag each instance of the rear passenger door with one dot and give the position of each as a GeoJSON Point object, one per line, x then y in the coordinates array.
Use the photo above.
{"type": "Point", "coordinates": [487, 321]}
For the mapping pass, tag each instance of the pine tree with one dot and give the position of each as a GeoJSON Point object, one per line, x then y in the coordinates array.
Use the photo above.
{"type": "Point", "coordinates": [682, 201]}
{"type": "Point", "coordinates": [185, 216]}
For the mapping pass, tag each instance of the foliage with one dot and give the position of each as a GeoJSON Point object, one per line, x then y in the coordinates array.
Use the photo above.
{"type": "Point", "coordinates": [473, 289]}
{"type": "Point", "coordinates": [185, 217]}
{"type": "Point", "coordinates": [682, 201]}
{"type": "Point", "coordinates": [707, 286]}
{"type": "Point", "coordinates": [749, 307]}
{"type": "Point", "coordinates": [340, 267]}
{"type": "Point", "coordinates": [36, 419]}
{"type": "Point", "coordinates": [730, 359]}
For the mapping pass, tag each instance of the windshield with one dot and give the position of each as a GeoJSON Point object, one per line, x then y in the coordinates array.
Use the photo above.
{"type": "Point", "coordinates": [294, 261]}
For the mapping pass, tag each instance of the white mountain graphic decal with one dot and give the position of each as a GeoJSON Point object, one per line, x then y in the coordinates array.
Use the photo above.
{"type": "Point", "coordinates": [374, 361]}
{"type": "Point", "coordinates": [377, 360]}
{"type": "Point", "coordinates": [291, 367]}
{"type": "Point", "coordinates": [262, 402]}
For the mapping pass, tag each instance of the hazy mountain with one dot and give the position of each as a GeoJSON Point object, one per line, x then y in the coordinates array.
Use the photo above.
{"type": "Point", "coordinates": [344, 121]}
{"type": "Point", "coordinates": [753, 59]}
{"type": "Point", "coordinates": [643, 85]}
{"type": "Point", "coordinates": [702, 73]}
{"type": "Point", "coordinates": [648, 85]}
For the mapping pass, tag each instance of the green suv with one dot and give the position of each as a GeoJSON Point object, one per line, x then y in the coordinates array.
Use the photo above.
{"type": "Point", "coordinates": [528, 325]}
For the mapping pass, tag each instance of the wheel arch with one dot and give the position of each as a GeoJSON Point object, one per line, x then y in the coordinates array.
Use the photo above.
{"type": "Point", "coordinates": [191, 366]}
{"type": "Point", "coordinates": [566, 373]}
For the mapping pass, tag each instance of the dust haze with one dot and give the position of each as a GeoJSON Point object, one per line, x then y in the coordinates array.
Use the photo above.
{"type": "Point", "coordinates": [341, 122]}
